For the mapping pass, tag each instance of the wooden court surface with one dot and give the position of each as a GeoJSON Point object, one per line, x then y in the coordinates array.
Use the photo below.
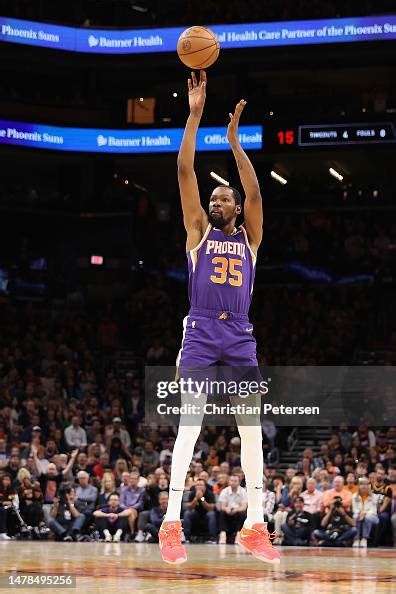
{"type": "Point", "coordinates": [214, 569]}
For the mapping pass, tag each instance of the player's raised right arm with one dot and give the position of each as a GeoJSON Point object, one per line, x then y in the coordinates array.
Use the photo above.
{"type": "Point", "coordinates": [195, 218]}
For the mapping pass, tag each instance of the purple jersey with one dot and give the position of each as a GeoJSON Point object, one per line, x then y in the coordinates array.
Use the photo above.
{"type": "Point", "coordinates": [221, 272]}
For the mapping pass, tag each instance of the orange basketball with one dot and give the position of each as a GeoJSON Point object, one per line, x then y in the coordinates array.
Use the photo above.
{"type": "Point", "coordinates": [198, 47]}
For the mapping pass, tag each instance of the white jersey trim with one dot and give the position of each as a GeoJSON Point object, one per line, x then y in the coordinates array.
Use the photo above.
{"type": "Point", "coordinates": [208, 228]}
{"type": "Point", "coordinates": [254, 257]}
{"type": "Point", "coordinates": [185, 320]}
{"type": "Point", "coordinates": [193, 251]}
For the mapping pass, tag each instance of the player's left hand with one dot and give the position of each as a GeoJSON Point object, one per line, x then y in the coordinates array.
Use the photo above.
{"type": "Point", "coordinates": [232, 130]}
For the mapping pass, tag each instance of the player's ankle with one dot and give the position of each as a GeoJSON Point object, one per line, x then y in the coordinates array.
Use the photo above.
{"type": "Point", "coordinates": [253, 519]}
{"type": "Point", "coordinates": [172, 518]}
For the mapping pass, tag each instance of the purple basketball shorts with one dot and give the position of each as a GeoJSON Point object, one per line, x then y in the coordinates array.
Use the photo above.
{"type": "Point", "coordinates": [216, 338]}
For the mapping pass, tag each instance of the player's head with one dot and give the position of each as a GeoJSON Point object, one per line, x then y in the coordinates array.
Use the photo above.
{"type": "Point", "coordinates": [225, 205]}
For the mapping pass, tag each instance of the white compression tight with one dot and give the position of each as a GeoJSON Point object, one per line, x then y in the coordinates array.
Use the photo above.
{"type": "Point", "coordinates": [187, 435]}
{"type": "Point", "coordinates": [252, 465]}
{"type": "Point", "coordinates": [251, 460]}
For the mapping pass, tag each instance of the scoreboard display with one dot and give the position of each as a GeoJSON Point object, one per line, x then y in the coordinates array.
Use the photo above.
{"type": "Point", "coordinates": [278, 138]}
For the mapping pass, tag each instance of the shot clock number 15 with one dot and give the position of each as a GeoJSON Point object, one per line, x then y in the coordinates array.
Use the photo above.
{"type": "Point", "coordinates": [286, 136]}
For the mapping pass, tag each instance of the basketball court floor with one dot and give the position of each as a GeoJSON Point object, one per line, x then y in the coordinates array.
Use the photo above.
{"type": "Point", "coordinates": [211, 569]}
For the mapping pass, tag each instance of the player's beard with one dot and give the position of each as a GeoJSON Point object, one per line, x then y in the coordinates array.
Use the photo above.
{"type": "Point", "coordinates": [217, 220]}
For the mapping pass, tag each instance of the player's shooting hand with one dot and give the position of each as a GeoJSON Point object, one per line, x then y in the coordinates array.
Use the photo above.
{"type": "Point", "coordinates": [232, 130]}
{"type": "Point", "coordinates": [197, 93]}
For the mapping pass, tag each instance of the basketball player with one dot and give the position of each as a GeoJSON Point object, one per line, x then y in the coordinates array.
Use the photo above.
{"type": "Point", "coordinates": [221, 262]}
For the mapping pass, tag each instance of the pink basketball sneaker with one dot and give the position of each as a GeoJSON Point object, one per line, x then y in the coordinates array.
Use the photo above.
{"type": "Point", "coordinates": [257, 540]}
{"type": "Point", "coordinates": [170, 544]}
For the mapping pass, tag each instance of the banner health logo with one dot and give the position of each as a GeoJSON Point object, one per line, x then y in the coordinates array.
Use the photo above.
{"type": "Point", "coordinates": [101, 140]}
{"type": "Point", "coordinates": [93, 41]}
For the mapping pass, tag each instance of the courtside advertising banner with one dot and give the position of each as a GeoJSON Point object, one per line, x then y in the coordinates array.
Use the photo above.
{"type": "Point", "coordinates": [245, 35]}
{"type": "Point", "coordinates": [104, 140]}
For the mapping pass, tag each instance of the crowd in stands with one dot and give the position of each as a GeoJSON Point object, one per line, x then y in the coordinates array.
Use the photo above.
{"type": "Point", "coordinates": [345, 495]}
{"type": "Point", "coordinates": [340, 242]}
{"type": "Point", "coordinates": [77, 461]}
{"type": "Point", "coordinates": [81, 483]}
